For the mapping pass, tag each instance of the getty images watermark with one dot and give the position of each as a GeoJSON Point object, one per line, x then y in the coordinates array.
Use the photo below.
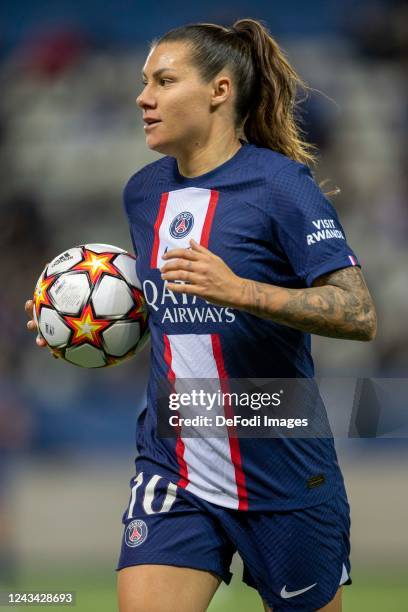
{"type": "Point", "coordinates": [210, 402]}
{"type": "Point", "coordinates": [276, 408]}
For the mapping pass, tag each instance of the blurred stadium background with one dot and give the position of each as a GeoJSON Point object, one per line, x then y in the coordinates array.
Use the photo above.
{"type": "Point", "coordinates": [70, 136]}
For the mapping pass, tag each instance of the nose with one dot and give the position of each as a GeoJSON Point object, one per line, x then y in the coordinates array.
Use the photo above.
{"type": "Point", "coordinates": [145, 100]}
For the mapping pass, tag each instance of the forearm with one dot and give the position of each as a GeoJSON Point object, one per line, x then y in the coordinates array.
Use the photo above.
{"type": "Point", "coordinates": [327, 310]}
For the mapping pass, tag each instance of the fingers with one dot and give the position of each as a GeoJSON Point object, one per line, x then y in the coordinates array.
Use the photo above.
{"type": "Point", "coordinates": [198, 248]}
{"type": "Point", "coordinates": [182, 264]}
{"type": "Point", "coordinates": [183, 288]}
{"type": "Point", "coordinates": [183, 253]}
{"type": "Point", "coordinates": [28, 307]}
{"type": "Point", "coordinates": [40, 341]}
{"type": "Point", "coordinates": [182, 275]}
{"type": "Point", "coordinates": [32, 325]}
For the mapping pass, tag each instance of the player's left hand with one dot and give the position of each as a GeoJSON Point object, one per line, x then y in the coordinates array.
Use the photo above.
{"type": "Point", "coordinates": [203, 273]}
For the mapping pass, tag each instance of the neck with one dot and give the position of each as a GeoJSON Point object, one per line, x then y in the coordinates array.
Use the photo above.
{"type": "Point", "coordinates": [207, 156]}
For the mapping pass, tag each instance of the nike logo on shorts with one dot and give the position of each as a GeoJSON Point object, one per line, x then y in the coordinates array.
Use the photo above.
{"type": "Point", "coordinates": [288, 594]}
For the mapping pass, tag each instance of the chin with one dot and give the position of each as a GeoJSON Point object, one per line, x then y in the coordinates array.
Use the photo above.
{"type": "Point", "coordinates": [159, 146]}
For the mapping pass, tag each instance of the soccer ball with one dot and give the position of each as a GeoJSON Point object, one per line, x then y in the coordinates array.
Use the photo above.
{"type": "Point", "coordinates": [89, 306]}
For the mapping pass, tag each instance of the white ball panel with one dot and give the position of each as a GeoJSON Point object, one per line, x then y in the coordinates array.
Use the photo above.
{"type": "Point", "coordinates": [121, 337]}
{"type": "Point", "coordinates": [64, 261]}
{"type": "Point", "coordinates": [85, 356]}
{"type": "Point", "coordinates": [104, 248]}
{"type": "Point", "coordinates": [52, 327]}
{"type": "Point", "coordinates": [112, 297]}
{"type": "Point", "coordinates": [127, 267]}
{"type": "Point", "coordinates": [70, 292]}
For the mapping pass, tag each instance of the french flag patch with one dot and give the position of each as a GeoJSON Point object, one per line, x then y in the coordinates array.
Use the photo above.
{"type": "Point", "coordinates": [353, 260]}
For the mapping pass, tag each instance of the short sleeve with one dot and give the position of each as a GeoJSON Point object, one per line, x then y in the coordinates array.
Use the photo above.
{"type": "Point", "coordinates": [306, 225]}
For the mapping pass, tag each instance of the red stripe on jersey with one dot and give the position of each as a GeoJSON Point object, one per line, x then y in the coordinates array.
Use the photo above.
{"type": "Point", "coordinates": [168, 358]}
{"type": "Point", "coordinates": [232, 434]}
{"type": "Point", "coordinates": [205, 234]}
{"type": "Point", "coordinates": [183, 480]}
{"type": "Point", "coordinates": [159, 219]}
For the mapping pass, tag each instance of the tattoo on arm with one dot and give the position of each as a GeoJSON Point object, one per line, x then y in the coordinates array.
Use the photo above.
{"type": "Point", "coordinates": [338, 305]}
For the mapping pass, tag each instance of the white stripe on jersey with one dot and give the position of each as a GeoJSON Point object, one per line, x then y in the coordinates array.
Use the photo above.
{"type": "Point", "coordinates": [211, 471]}
{"type": "Point", "coordinates": [193, 200]}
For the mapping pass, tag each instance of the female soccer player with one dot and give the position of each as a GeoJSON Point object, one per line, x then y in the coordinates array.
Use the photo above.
{"type": "Point", "coordinates": [241, 257]}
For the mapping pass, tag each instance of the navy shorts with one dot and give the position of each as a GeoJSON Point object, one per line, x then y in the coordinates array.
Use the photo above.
{"type": "Point", "coordinates": [296, 560]}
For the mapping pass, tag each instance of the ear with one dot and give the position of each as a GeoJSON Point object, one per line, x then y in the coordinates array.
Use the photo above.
{"type": "Point", "coordinates": [221, 90]}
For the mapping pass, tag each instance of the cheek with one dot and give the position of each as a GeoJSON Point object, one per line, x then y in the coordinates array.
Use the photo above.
{"type": "Point", "coordinates": [189, 109]}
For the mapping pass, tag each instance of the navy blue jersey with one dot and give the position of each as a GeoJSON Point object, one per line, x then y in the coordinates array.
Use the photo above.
{"type": "Point", "coordinates": [264, 215]}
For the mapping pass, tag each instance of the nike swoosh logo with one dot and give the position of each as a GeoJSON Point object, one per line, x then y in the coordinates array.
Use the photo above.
{"type": "Point", "coordinates": [288, 594]}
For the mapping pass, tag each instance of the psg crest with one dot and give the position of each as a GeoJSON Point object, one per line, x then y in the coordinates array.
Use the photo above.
{"type": "Point", "coordinates": [182, 225]}
{"type": "Point", "coordinates": [136, 533]}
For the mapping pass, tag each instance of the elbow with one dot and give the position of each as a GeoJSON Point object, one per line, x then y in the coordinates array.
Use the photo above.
{"type": "Point", "coordinates": [369, 329]}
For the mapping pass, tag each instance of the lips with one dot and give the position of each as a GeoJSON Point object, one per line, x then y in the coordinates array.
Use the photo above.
{"type": "Point", "coordinates": [150, 120]}
{"type": "Point", "coordinates": [150, 123]}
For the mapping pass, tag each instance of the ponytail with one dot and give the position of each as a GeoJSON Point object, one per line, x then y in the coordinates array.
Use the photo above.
{"type": "Point", "coordinates": [271, 120]}
{"type": "Point", "coordinates": [266, 84]}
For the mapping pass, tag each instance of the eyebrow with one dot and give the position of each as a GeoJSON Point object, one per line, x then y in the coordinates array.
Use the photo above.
{"type": "Point", "coordinates": [158, 72]}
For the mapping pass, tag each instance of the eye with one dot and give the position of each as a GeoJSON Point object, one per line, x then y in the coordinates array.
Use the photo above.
{"type": "Point", "coordinates": [165, 81]}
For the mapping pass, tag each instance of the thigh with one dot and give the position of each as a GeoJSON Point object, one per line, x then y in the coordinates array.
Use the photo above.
{"type": "Point", "coordinates": [161, 588]}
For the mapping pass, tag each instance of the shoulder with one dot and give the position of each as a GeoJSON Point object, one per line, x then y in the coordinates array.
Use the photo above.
{"type": "Point", "coordinates": [286, 185]}
{"type": "Point", "coordinates": [145, 180]}
{"type": "Point", "coordinates": [276, 170]}
{"type": "Point", "coordinates": [278, 166]}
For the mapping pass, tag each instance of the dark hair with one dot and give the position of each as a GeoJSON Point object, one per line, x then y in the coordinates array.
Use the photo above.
{"type": "Point", "coordinates": [266, 84]}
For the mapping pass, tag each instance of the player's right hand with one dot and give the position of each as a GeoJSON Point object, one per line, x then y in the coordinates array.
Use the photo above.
{"type": "Point", "coordinates": [31, 324]}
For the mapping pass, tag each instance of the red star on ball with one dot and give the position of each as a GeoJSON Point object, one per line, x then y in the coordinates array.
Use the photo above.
{"type": "Point", "coordinates": [87, 328]}
{"type": "Point", "coordinates": [41, 294]}
{"type": "Point", "coordinates": [97, 264]}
